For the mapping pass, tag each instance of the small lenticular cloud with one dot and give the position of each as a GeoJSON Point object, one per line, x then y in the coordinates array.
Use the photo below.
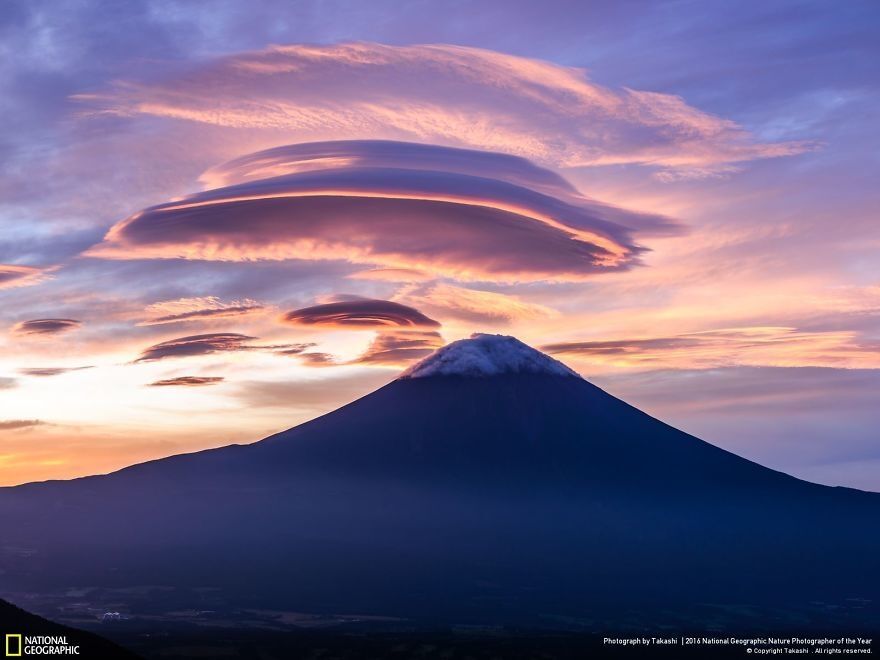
{"type": "Point", "coordinates": [196, 345]}
{"type": "Point", "coordinates": [215, 342]}
{"type": "Point", "coordinates": [188, 381]}
{"type": "Point", "coordinates": [46, 326]}
{"type": "Point", "coordinates": [362, 313]}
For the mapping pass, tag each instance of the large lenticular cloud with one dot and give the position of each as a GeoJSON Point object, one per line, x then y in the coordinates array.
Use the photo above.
{"type": "Point", "coordinates": [444, 94]}
{"type": "Point", "coordinates": [471, 216]}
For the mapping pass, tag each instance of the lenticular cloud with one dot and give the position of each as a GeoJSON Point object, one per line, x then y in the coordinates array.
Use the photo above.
{"type": "Point", "coordinates": [360, 313]}
{"type": "Point", "coordinates": [462, 214]}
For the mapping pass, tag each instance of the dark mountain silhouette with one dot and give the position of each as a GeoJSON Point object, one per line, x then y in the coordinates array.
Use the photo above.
{"type": "Point", "coordinates": [14, 620]}
{"type": "Point", "coordinates": [488, 485]}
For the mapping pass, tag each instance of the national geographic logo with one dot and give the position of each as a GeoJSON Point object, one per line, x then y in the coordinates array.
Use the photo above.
{"type": "Point", "coordinates": [13, 646]}
{"type": "Point", "coordinates": [28, 645]}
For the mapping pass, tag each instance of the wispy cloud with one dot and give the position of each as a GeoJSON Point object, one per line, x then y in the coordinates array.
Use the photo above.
{"type": "Point", "coordinates": [473, 305]}
{"type": "Point", "coordinates": [12, 276]}
{"type": "Point", "coordinates": [399, 347]}
{"type": "Point", "coordinates": [198, 309]}
{"type": "Point", "coordinates": [216, 342]}
{"type": "Point", "coordinates": [44, 372]}
{"type": "Point", "coordinates": [317, 359]}
{"type": "Point", "coordinates": [20, 424]}
{"type": "Point", "coordinates": [188, 381]}
{"type": "Point", "coordinates": [766, 346]}
{"type": "Point", "coordinates": [479, 98]}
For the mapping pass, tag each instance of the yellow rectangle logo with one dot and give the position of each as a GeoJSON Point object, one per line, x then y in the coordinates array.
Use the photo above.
{"type": "Point", "coordinates": [13, 646]}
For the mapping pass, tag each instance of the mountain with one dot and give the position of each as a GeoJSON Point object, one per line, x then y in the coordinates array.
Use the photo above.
{"type": "Point", "coordinates": [488, 485]}
{"type": "Point", "coordinates": [16, 621]}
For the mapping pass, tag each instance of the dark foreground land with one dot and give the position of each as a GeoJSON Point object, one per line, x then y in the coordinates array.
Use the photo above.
{"type": "Point", "coordinates": [164, 640]}
{"type": "Point", "coordinates": [15, 621]}
{"type": "Point", "coordinates": [449, 645]}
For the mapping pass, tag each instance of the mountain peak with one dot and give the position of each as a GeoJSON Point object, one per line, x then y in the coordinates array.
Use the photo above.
{"type": "Point", "coordinates": [487, 355]}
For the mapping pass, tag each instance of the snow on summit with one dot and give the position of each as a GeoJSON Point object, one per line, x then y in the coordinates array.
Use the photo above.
{"type": "Point", "coordinates": [487, 355]}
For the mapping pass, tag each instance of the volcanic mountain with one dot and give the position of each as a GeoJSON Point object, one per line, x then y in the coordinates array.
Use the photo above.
{"type": "Point", "coordinates": [488, 484]}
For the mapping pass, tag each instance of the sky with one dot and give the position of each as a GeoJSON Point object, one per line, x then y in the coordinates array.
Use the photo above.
{"type": "Point", "coordinates": [220, 219]}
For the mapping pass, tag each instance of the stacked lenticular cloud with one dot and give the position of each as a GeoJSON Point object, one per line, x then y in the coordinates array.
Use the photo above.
{"type": "Point", "coordinates": [454, 213]}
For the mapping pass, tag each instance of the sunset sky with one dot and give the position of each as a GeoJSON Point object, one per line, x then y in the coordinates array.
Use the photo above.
{"type": "Point", "coordinates": [220, 219]}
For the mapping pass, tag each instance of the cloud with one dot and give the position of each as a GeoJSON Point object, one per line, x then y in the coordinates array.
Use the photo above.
{"type": "Point", "coordinates": [392, 275]}
{"type": "Point", "coordinates": [295, 349]}
{"type": "Point", "coordinates": [399, 348]}
{"type": "Point", "coordinates": [318, 359]}
{"type": "Point", "coordinates": [360, 313]}
{"type": "Point", "coordinates": [400, 340]}
{"type": "Point", "coordinates": [472, 305]}
{"type": "Point", "coordinates": [18, 424]}
{"type": "Point", "coordinates": [46, 326]}
{"type": "Point", "coordinates": [640, 347]}
{"type": "Point", "coordinates": [188, 381]}
{"type": "Point", "coordinates": [217, 342]}
{"type": "Point", "coordinates": [468, 215]}
{"type": "Point", "coordinates": [477, 98]}
{"type": "Point", "coordinates": [7, 383]}
{"type": "Point", "coordinates": [15, 276]}
{"type": "Point", "coordinates": [757, 345]}
{"type": "Point", "coordinates": [198, 309]}
{"type": "Point", "coordinates": [49, 371]}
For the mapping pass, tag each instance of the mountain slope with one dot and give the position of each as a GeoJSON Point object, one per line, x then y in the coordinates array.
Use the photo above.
{"type": "Point", "coordinates": [489, 484]}
{"type": "Point", "coordinates": [16, 621]}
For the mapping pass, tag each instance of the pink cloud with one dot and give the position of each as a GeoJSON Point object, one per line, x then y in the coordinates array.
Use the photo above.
{"type": "Point", "coordinates": [46, 326]}
{"type": "Point", "coordinates": [360, 313]}
{"type": "Point", "coordinates": [448, 301]}
{"type": "Point", "coordinates": [477, 98]}
{"type": "Point", "coordinates": [429, 213]}
{"type": "Point", "coordinates": [20, 424]}
{"type": "Point", "coordinates": [214, 342]}
{"type": "Point", "coordinates": [188, 381]}
{"type": "Point", "coordinates": [46, 372]}
{"type": "Point", "coordinates": [753, 346]}
{"type": "Point", "coordinates": [399, 347]}
{"type": "Point", "coordinates": [12, 276]}
{"type": "Point", "coordinates": [391, 275]}
{"type": "Point", "coordinates": [198, 309]}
